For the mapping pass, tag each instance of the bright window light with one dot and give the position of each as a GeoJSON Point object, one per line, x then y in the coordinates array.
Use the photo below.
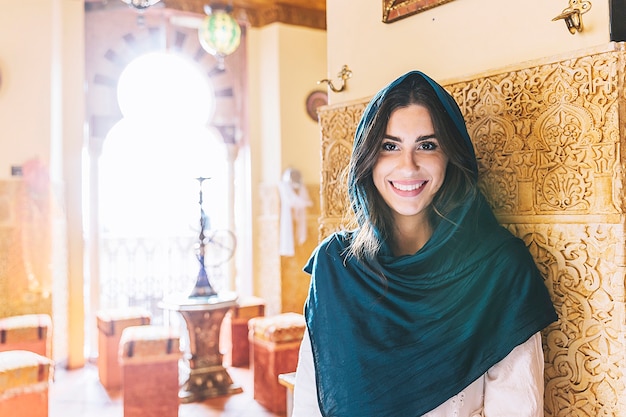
{"type": "Point", "coordinates": [165, 87]}
{"type": "Point", "coordinates": [150, 159]}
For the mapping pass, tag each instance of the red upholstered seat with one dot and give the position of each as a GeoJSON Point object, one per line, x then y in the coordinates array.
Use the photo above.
{"type": "Point", "coordinates": [27, 332]}
{"type": "Point", "coordinates": [275, 346]}
{"type": "Point", "coordinates": [24, 382]}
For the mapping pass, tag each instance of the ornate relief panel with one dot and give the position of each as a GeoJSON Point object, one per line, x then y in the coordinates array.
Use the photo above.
{"type": "Point", "coordinates": [25, 242]}
{"type": "Point", "coordinates": [584, 350]}
{"type": "Point", "coordinates": [547, 137]}
{"type": "Point", "coordinates": [338, 125]}
{"type": "Point", "coordinates": [548, 141]}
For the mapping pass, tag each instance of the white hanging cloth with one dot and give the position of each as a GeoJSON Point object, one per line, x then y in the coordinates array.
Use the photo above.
{"type": "Point", "coordinates": [294, 199]}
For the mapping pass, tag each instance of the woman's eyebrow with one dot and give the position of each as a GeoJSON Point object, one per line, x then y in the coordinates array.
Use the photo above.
{"type": "Point", "coordinates": [393, 138]}
{"type": "Point", "coordinates": [417, 139]}
{"type": "Point", "coordinates": [426, 137]}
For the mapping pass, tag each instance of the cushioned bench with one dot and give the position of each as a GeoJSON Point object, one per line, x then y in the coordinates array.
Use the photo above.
{"type": "Point", "coordinates": [24, 382]}
{"type": "Point", "coordinates": [149, 359]}
{"type": "Point", "coordinates": [246, 309]}
{"type": "Point", "coordinates": [275, 342]}
{"type": "Point", "coordinates": [111, 324]}
{"type": "Point", "coordinates": [26, 332]}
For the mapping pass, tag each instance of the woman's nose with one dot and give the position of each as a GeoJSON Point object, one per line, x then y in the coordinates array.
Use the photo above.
{"type": "Point", "coordinates": [409, 160]}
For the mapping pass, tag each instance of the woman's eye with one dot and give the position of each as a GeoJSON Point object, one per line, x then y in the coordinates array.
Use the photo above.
{"type": "Point", "coordinates": [388, 146]}
{"type": "Point", "coordinates": [427, 146]}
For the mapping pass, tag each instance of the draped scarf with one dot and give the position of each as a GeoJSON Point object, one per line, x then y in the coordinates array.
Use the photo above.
{"type": "Point", "coordinates": [401, 338]}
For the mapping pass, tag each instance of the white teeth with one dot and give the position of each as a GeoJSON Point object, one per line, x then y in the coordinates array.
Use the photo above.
{"type": "Point", "coordinates": [407, 187]}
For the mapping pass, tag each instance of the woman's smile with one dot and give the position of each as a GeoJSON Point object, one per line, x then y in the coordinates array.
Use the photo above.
{"type": "Point", "coordinates": [408, 187]}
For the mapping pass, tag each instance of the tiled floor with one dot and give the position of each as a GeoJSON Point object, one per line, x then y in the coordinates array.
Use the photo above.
{"type": "Point", "coordinates": [78, 393]}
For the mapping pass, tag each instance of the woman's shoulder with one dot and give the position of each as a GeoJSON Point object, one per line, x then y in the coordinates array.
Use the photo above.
{"type": "Point", "coordinates": [331, 248]}
{"type": "Point", "coordinates": [338, 239]}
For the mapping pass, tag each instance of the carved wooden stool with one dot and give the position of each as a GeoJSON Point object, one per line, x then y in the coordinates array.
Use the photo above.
{"type": "Point", "coordinates": [246, 309]}
{"type": "Point", "coordinates": [111, 324]}
{"type": "Point", "coordinates": [149, 358]}
{"type": "Point", "coordinates": [24, 383]}
{"type": "Point", "coordinates": [275, 345]}
{"type": "Point", "coordinates": [26, 332]}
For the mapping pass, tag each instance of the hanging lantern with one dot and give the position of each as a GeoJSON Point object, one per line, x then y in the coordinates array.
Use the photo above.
{"type": "Point", "coordinates": [141, 4]}
{"type": "Point", "coordinates": [219, 34]}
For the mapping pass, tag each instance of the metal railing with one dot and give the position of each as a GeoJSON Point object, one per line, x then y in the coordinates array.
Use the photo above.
{"type": "Point", "coordinates": [140, 271]}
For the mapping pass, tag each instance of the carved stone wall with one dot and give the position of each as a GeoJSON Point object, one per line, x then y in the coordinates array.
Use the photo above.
{"type": "Point", "coordinates": [25, 249]}
{"type": "Point", "coordinates": [548, 137]}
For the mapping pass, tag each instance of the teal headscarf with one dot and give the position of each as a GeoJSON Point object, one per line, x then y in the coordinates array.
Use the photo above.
{"type": "Point", "coordinates": [403, 345]}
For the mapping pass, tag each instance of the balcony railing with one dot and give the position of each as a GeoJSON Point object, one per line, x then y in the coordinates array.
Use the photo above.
{"type": "Point", "coordinates": [140, 271]}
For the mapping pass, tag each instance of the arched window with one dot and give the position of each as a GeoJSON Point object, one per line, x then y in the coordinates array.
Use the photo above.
{"type": "Point", "coordinates": [149, 192]}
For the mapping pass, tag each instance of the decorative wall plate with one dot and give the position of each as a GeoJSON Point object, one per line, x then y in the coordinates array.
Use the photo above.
{"type": "Point", "coordinates": [314, 100]}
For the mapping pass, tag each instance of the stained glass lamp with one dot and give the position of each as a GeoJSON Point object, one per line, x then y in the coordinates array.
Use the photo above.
{"type": "Point", "coordinates": [219, 33]}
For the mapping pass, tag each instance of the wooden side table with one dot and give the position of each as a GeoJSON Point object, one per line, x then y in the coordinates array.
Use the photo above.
{"type": "Point", "coordinates": [288, 380]}
{"type": "Point", "coordinates": [203, 315]}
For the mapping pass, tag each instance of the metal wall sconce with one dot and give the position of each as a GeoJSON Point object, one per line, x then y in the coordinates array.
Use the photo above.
{"type": "Point", "coordinates": [573, 15]}
{"type": "Point", "coordinates": [344, 74]}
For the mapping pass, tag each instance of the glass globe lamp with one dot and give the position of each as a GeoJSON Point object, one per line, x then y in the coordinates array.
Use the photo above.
{"type": "Point", "coordinates": [219, 33]}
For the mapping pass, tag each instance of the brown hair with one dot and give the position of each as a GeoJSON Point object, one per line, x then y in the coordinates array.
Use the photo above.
{"type": "Point", "coordinates": [372, 214]}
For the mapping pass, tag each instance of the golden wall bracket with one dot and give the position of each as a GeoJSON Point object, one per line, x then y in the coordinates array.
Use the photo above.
{"type": "Point", "coordinates": [344, 74]}
{"type": "Point", "coordinates": [573, 15]}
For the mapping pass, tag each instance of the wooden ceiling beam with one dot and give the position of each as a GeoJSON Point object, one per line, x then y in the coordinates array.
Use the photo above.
{"type": "Point", "coordinates": [261, 13]}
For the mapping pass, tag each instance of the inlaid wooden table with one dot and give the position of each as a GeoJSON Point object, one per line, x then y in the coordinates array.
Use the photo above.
{"type": "Point", "coordinates": [203, 315]}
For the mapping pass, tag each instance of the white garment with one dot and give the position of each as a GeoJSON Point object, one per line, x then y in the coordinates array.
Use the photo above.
{"type": "Point", "coordinates": [293, 204]}
{"type": "Point", "coordinates": [511, 388]}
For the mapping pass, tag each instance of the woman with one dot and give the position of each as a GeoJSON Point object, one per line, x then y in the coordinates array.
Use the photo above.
{"type": "Point", "coordinates": [429, 307]}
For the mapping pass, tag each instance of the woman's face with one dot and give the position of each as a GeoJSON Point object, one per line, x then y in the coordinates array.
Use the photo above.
{"type": "Point", "coordinates": [411, 166]}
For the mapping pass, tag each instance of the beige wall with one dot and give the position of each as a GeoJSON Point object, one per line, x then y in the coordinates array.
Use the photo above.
{"type": "Point", "coordinates": [41, 117]}
{"type": "Point", "coordinates": [459, 38]}
{"type": "Point", "coordinates": [300, 69]}
{"type": "Point", "coordinates": [285, 63]}
{"type": "Point", "coordinates": [25, 93]}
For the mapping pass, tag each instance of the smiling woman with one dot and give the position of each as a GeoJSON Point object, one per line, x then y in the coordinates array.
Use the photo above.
{"type": "Point", "coordinates": [422, 274]}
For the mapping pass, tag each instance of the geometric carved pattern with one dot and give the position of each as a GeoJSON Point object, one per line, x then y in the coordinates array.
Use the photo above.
{"type": "Point", "coordinates": [338, 126]}
{"type": "Point", "coordinates": [25, 248]}
{"type": "Point", "coordinates": [547, 138]}
{"type": "Point", "coordinates": [584, 349]}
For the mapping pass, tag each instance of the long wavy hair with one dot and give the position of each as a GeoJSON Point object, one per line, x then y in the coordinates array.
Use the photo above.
{"type": "Point", "coordinates": [372, 215]}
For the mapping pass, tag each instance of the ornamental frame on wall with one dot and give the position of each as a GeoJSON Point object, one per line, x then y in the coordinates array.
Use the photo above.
{"type": "Point", "coordinates": [398, 9]}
